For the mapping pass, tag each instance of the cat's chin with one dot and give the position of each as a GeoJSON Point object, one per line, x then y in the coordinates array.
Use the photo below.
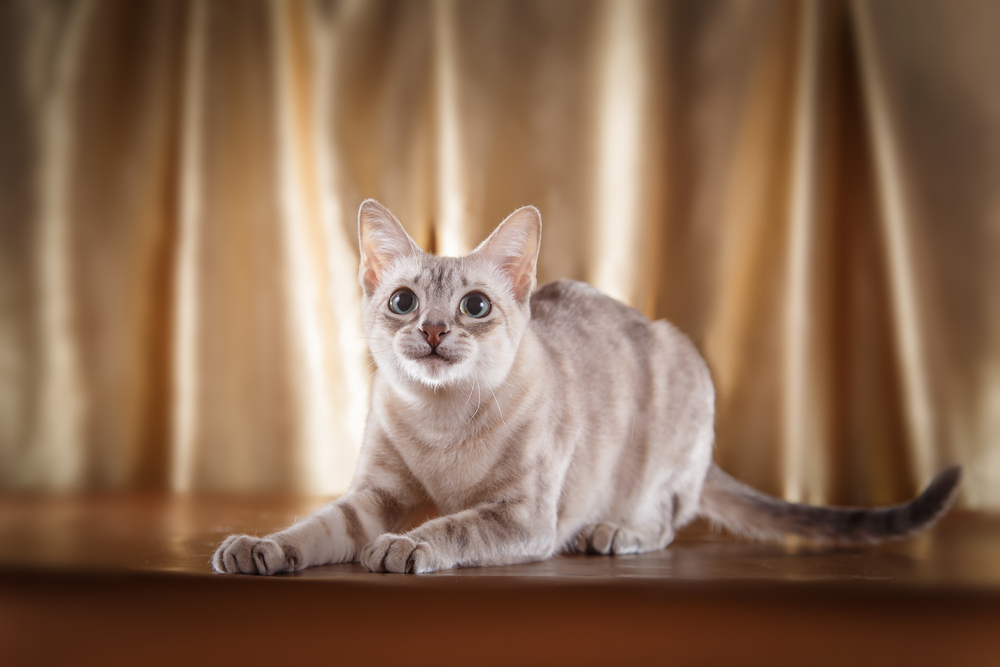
{"type": "Point", "coordinates": [435, 364]}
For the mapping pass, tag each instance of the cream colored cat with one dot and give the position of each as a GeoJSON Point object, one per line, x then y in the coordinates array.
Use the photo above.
{"type": "Point", "coordinates": [536, 421]}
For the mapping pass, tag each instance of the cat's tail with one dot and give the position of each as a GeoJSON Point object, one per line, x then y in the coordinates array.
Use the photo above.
{"type": "Point", "coordinates": [742, 510]}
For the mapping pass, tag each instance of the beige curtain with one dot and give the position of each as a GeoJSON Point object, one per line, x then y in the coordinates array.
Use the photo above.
{"type": "Point", "coordinates": [811, 190]}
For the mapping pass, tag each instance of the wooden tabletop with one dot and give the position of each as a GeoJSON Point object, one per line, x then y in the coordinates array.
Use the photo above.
{"type": "Point", "coordinates": [125, 579]}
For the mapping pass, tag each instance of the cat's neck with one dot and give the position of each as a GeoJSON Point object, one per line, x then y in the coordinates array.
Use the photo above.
{"type": "Point", "coordinates": [467, 405]}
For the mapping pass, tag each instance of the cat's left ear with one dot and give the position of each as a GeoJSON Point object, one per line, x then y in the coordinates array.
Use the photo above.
{"type": "Point", "coordinates": [382, 240]}
{"type": "Point", "coordinates": [514, 246]}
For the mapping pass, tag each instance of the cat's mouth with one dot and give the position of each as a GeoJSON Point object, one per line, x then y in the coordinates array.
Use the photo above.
{"type": "Point", "coordinates": [436, 356]}
{"type": "Point", "coordinates": [431, 357]}
{"type": "Point", "coordinates": [435, 362]}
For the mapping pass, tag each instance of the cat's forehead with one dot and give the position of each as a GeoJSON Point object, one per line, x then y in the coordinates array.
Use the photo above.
{"type": "Point", "coordinates": [443, 276]}
{"type": "Point", "coordinates": [438, 274]}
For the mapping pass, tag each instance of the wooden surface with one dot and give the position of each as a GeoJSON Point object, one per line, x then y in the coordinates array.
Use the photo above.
{"type": "Point", "coordinates": [126, 580]}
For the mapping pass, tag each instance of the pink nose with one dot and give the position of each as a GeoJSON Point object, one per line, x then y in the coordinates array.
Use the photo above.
{"type": "Point", "coordinates": [434, 333]}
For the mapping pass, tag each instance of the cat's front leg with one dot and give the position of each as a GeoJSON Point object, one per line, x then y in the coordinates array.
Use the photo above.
{"type": "Point", "coordinates": [383, 493]}
{"type": "Point", "coordinates": [491, 534]}
{"type": "Point", "coordinates": [334, 534]}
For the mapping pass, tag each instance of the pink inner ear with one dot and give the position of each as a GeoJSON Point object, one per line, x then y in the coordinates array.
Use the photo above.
{"type": "Point", "coordinates": [371, 268]}
{"type": "Point", "coordinates": [383, 240]}
{"type": "Point", "coordinates": [521, 275]}
{"type": "Point", "coordinates": [369, 280]}
{"type": "Point", "coordinates": [514, 247]}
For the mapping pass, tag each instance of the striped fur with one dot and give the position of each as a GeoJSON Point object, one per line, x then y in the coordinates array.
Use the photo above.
{"type": "Point", "coordinates": [745, 511]}
{"type": "Point", "coordinates": [563, 420]}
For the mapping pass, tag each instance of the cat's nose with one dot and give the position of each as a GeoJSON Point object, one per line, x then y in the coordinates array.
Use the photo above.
{"type": "Point", "coordinates": [434, 333]}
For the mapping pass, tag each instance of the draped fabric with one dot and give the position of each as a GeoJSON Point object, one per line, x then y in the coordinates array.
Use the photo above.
{"type": "Point", "coordinates": [810, 190]}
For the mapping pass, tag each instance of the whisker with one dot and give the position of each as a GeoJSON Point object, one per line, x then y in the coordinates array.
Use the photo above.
{"type": "Point", "coordinates": [358, 393]}
{"type": "Point", "coordinates": [510, 374]}
{"type": "Point", "coordinates": [498, 405]}
{"type": "Point", "coordinates": [357, 337]}
{"type": "Point", "coordinates": [472, 388]}
{"type": "Point", "coordinates": [351, 361]}
{"type": "Point", "coordinates": [534, 405]}
{"type": "Point", "coordinates": [479, 402]}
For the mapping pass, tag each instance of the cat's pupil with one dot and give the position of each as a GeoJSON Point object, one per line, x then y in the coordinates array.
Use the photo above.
{"type": "Point", "coordinates": [475, 305]}
{"type": "Point", "coordinates": [403, 302]}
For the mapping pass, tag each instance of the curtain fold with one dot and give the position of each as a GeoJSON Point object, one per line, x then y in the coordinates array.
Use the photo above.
{"type": "Point", "coordinates": [808, 189]}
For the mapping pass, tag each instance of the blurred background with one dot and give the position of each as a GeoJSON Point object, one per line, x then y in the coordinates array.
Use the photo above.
{"type": "Point", "coordinates": [809, 189]}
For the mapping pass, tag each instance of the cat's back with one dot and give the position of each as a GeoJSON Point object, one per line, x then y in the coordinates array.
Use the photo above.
{"type": "Point", "coordinates": [638, 393]}
{"type": "Point", "coordinates": [604, 339]}
{"type": "Point", "coordinates": [571, 304]}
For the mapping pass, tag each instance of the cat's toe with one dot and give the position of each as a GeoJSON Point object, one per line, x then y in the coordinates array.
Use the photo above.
{"type": "Point", "coordinates": [242, 554]}
{"type": "Point", "coordinates": [581, 544]}
{"type": "Point", "coordinates": [602, 537]}
{"type": "Point", "coordinates": [218, 558]}
{"type": "Point", "coordinates": [597, 538]}
{"type": "Point", "coordinates": [423, 559]}
{"type": "Point", "coordinates": [270, 558]}
{"type": "Point", "coordinates": [373, 555]}
{"type": "Point", "coordinates": [625, 542]}
{"type": "Point", "coordinates": [397, 558]}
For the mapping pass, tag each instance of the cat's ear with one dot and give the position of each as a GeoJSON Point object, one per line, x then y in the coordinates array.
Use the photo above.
{"type": "Point", "coordinates": [382, 240]}
{"type": "Point", "coordinates": [514, 246]}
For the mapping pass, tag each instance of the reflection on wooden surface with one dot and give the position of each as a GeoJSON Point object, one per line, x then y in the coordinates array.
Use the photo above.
{"type": "Point", "coordinates": [162, 533]}
{"type": "Point", "coordinates": [126, 578]}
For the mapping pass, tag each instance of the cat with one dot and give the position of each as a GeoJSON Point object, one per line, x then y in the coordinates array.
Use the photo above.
{"type": "Point", "coordinates": [537, 421]}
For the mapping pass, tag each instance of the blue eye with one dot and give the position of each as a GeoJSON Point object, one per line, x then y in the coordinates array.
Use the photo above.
{"type": "Point", "coordinates": [475, 305]}
{"type": "Point", "coordinates": [403, 302]}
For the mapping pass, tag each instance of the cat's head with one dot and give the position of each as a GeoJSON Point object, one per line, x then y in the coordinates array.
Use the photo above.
{"type": "Point", "coordinates": [446, 321]}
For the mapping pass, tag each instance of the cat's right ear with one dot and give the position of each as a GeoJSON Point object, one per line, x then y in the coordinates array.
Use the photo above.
{"type": "Point", "coordinates": [514, 247]}
{"type": "Point", "coordinates": [382, 240]}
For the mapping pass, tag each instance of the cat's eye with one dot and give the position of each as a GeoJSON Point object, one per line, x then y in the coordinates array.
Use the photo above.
{"type": "Point", "coordinates": [475, 305]}
{"type": "Point", "coordinates": [403, 302]}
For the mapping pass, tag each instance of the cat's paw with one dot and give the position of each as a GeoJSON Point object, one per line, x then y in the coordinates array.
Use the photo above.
{"type": "Point", "coordinates": [243, 554]}
{"type": "Point", "coordinates": [606, 538]}
{"type": "Point", "coordinates": [398, 553]}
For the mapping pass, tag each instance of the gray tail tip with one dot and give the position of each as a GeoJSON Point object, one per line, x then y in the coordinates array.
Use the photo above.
{"type": "Point", "coordinates": [941, 492]}
{"type": "Point", "coordinates": [949, 478]}
{"type": "Point", "coordinates": [953, 473]}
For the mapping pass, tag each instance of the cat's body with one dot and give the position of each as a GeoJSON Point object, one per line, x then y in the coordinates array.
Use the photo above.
{"type": "Point", "coordinates": [534, 422]}
{"type": "Point", "coordinates": [623, 436]}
